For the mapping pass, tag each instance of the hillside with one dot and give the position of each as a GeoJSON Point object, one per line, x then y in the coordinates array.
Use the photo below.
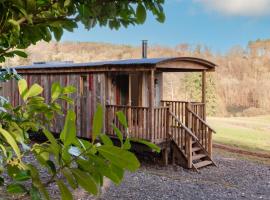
{"type": "Point", "coordinates": [239, 87]}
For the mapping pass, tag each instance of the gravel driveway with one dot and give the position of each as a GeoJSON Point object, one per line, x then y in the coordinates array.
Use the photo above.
{"type": "Point", "coordinates": [232, 179]}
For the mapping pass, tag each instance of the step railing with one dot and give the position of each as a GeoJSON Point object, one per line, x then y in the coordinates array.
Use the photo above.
{"type": "Point", "coordinates": [201, 129]}
{"type": "Point", "coordinates": [183, 137]}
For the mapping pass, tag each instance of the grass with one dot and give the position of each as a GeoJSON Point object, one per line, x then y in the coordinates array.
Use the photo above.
{"type": "Point", "coordinates": [248, 133]}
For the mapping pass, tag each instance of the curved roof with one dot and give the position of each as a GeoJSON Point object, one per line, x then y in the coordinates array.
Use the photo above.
{"type": "Point", "coordinates": [162, 64]}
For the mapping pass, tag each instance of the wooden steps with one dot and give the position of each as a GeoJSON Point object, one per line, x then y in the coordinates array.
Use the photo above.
{"type": "Point", "coordinates": [203, 164]}
{"type": "Point", "coordinates": [191, 145]}
{"type": "Point", "coordinates": [195, 149]}
{"type": "Point", "coordinates": [198, 156]}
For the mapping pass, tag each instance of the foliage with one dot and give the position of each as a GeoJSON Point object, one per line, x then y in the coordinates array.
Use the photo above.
{"type": "Point", "coordinates": [25, 22]}
{"type": "Point", "coordinates": [193, 84]}
{"type": "Point", "coordinates": [71, 162]}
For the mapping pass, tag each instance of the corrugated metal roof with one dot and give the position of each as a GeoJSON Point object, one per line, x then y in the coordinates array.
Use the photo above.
{"type": "Point", "coordinates": [149, 61]}
{"type": "Point", "coordinates": [129, 62]}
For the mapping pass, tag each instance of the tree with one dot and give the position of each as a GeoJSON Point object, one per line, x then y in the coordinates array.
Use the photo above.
{"type": "Point", "coordinates": [25, 22]}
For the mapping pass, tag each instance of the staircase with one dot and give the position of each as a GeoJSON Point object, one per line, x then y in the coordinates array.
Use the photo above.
{"type": "Point", "coordinates": [191, 147]}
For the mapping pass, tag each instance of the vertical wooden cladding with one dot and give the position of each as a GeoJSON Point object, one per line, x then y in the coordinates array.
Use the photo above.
{"type": "Point", "coordinates": [85, 102]}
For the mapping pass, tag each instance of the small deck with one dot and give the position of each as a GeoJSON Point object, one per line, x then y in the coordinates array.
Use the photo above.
{"type": "Point", "coordinates": [180, 124]}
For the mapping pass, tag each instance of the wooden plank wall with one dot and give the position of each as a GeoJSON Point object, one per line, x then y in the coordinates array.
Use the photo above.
{"type": "Point", "coordinates": [84, 103]}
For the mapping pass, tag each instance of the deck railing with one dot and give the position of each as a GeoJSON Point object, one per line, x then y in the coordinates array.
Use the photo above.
{"type": "Point", "coordinates": [160, 124]}
{"type": "Point", "coordinates": [199, 109]}
{"type": "Point", "coordinates": [179, 109]}
{"type": "Point", "coordinates": [137, 117]}
{"type": "Point", "coordinates": [139, 122]}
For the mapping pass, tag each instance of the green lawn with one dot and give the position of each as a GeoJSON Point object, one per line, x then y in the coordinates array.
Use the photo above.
{"type": "Point", "coordinates": [250, 133]}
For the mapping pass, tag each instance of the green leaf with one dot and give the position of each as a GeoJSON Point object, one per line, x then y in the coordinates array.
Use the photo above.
{"type": "Point", "coordinates": [120, 157]}
{"type": "Point", "coordinates": [68, 133]}
{"type": "Point", "coordinates": [2, 180]}
{"type": "Point", "coordinates": [35, 90]}
{"type": "Point", "coordinates": [37, 182]}
{"type": "Point", "coordinates": [50, 137]}
{"type": "Point", "coordinates": [22, 85]}
{"type": "Point", "coordinates": [141, 14]}
{"type": "Point", "coordinates": [106, 139]}
{"type": "Point", "coordinates": [70, 178]}
{"type": "Point", "coordinates": [97, 122]}
{"type": "Point", "coordinates": [108, 170]}
{"type": "Point", "coordinates": [149, 144]}
{"type": "Point", "coordinates": [22, 175]}
{"type": "Point", "coordinates": [118, 133]}
{"type": "Point", "coordinates": [51, 166]}
{"type": "Point", "coordinates": [3, 149]}
{"type": "Point", "coordinates": [55, 91]}
{"type": "Point", "coordinates": [35, 194]}
{"type": "Point", "coordinates": [122, 118]}
{"type": "Point", "coordinates": [67, 3]}
{"type": "Point", "coordinates": [85, 181]}
{"type": "Point", "coordinates": [20, 53]}
{"type": "Point", "coordinates": [58, 32]}
{"type": "Point", "coordinates": [11, 141]}
{"type": "Point", "coordinates": [69, 90]}
{"type": "Point", "coordinates": [16, 188]}
{"type": "Point", "coordinates": [65, 193]}
{"type": "Point", "coordinates": [127, 144]}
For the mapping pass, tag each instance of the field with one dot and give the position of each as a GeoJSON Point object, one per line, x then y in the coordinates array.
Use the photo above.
{"type": "Point", "coordinates": [248, 133]}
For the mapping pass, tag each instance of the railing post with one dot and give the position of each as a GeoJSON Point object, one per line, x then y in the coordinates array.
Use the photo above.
{"type": "Point", "coordinates": [187, 117]}
{"type": "Point", "coordinates": [167, 124]}
{"type": "Point", "coordinates": [189, 152]}
{"type": "Point", "coordinates": [151, 103]}
{"type": "Point", "coordinates": [210, 145]}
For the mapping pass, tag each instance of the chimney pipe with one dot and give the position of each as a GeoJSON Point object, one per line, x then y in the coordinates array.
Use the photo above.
{"type": "Point", "coordinates": [144, 49]}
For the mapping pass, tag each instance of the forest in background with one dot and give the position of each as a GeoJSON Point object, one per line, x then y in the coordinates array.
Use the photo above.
{"type": "Point", "coordinates": [239, 87]}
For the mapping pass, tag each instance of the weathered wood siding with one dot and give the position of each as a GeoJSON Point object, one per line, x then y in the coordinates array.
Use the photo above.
{"type": "Point", "coordinates": [90, 92]}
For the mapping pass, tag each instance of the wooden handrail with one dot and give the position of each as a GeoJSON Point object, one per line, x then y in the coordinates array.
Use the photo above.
{"type": "Point", "coordinates": [182, 125]}
{"type": "Point", "coordinates": [174, 101]}
{"type": "Point", "coordinates": [126, 106]}
{"type": "Point", "coordinates": [204, 122]}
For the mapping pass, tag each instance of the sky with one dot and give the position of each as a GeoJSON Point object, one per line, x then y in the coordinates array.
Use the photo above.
{"type": "Point", "coordinates": [217, 24]}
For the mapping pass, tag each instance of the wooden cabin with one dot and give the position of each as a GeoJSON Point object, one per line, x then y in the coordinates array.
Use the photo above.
{"type": "Point", "coordinates": [135, 87]}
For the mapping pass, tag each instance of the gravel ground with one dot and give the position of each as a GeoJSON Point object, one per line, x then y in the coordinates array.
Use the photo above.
{"type": "Point", "coordinates": [234, 178]}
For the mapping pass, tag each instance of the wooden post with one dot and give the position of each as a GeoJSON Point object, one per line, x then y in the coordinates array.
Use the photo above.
{"type": "Point", "coordinates": [187, 117]}
{"type": "Point", "coordinates": [204, 93]}
{"type": "Point", "coordinates": [151, 103]}
{"type": "Point", "coordinates": [129, 103]}
{"type": "Point", "coordinates": [210, 145]}
{"type": "Point", "coordinates": [107, 97]}
{"type": "Point", "coordinates": [165, 156]}
{"type": "Point", "coordinates": [189, 151]}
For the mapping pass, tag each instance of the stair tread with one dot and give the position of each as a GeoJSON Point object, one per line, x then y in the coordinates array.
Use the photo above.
{"type": "Point", "coordinates": [194, 149]}
{"type": "Point", "coordinates": [198, 156]}
{"type": "Point", "coordinates": [203, 164]}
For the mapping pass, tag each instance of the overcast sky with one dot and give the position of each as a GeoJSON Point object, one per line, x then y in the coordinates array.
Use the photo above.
{"type": "Point", "coordinates": [218, 24]}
